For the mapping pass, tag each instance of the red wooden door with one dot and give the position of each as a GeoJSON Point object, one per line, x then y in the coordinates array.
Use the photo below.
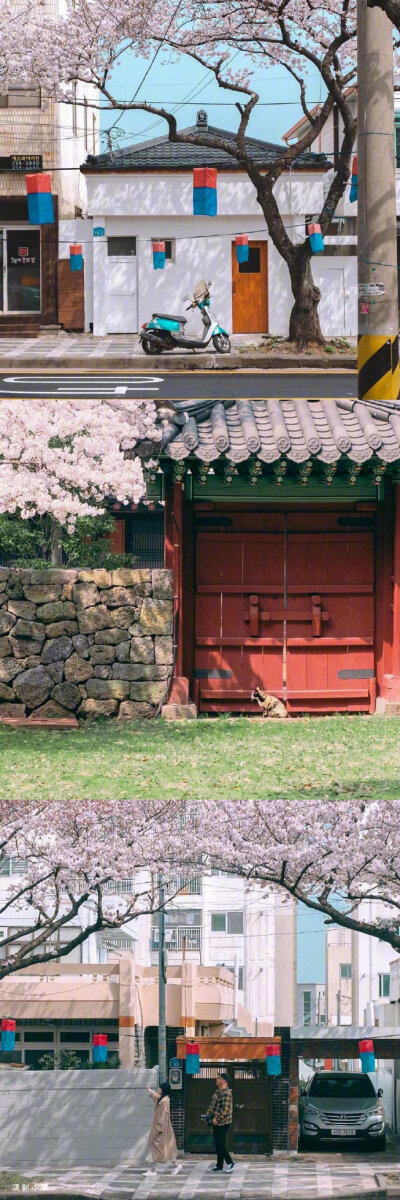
{"type": "Point", "coordinates": [330, 659]}
{"type": "Point", "coordinates": [290, 612]}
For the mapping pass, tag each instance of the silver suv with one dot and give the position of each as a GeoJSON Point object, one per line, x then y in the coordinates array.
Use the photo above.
{"type": "Point", "coordinates": [337, 1104]}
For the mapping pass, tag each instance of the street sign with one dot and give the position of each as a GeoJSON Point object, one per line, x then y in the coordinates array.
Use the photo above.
{"type": "Point", "coordinates": [175, 1062]}
{"type": "Point", "coordinates": [370, 289]}
{"type": "Point", "coordinates": [98, 231]}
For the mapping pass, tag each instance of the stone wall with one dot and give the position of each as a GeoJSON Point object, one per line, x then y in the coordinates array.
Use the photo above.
{"type": "Point", "coordinates": [85, 643]}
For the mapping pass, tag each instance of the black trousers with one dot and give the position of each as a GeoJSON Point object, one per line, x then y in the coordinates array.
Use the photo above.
{"type": "Point", "coordinates": [220, 1134]}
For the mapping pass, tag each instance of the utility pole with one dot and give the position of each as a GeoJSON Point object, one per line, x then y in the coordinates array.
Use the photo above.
{"type": "Point", "coordinates": [162, 1030]}
{"type": "Point", "coordinates": [378, 326]}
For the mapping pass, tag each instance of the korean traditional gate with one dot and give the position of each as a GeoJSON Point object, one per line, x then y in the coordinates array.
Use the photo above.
{"type": "Point", "coordinates": [251, 1130]}
{"type": "Point", "coordinates": [290, 611]}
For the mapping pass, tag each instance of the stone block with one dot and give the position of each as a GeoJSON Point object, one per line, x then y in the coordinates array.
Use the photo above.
{"type": "Point", "coordinates": [6, 693]}
{"type": "Point", "coordinates": [33, 687]}
{"type": "Point", "coordinates": [129, 711]}
{"type": "Point", "coordinates": [67, 694]}
{"type": "Point", "coordinates": [179, 712]}
{"type": "Point", "coordinates": [7, 621]}
{"type": "Point", "coordinates": [98, 575]}
{"type": "Point", "coordinates": [14, 587]}
{"type": "Point", "coordinates": [22, 608]}
{"type": "Point", "coordinates": [56, 671]}
{"type": "Point", "coordinates": [102, 654]}
{"type": "Point", "coordinates": [42, 593]}
{"type": "Point", "coordinates": [5, 647]}
{"type": "Point", "coordinates": [103, 672]}
{"type": "Point", "coordinates": [111, 637]}
{"type": "Point", "coordinates": [9, 668]}
{"type": "Point", "coordinates": [92, 709]}
{"type": "Point", "coordinates": [12, 710]}
{"type": "Point", "coordinates": [123, 618]}
{"type": "Point", "coordinates": [77, 670]}
{"type": "Point", "coordinates": [117, 597]}
{"type": "Point", "coordinates": [156, 616]}
{"type": "Point", "coordinates": [49, 711]}
{"type": "Point", "coordinates": [107, 689]}
{"type": "Point", "coordinates": [153, 693]}
{"type": "Point", "coordinates": [59, 628]}
{"type": "Point", "coordinates": [164, 650]}
{"type": "Point", "coordinates": [56, 648]}
{"type": "Point", "coordinates": [122, 651]}
{"type": "Point", "coordinates": [58, 611]}
{"type": "Point", "coordinates": [85, 595]}
{"type": "Point", "coordinates": [21, 647]}
{"type": "Point", "coordinates": [142, 650]}
{"type": "Point", "coordinates": [134, 577]}
{"type": "Point", "coordinates": [142, 671]}
{"type": "Point", "coordinates": [162, 583]}
{"type": "Point", "coordinates": [92, 619]}
{"type": "Point", "coordinates": [81, 645]}
{"type": "Point", "coordinates": [30, 630]}
{"type": "Point", "coordinates": [4, 573]}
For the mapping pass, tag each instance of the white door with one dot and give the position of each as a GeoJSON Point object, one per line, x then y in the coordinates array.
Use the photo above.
{"type": "Point", "coordinates": [332, 303]}
{"type": "Point", "coordinates": [121, 294]}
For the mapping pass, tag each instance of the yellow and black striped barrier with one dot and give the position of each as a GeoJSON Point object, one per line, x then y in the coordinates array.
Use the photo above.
{"type": "Point", "coordinates": [378, 367]}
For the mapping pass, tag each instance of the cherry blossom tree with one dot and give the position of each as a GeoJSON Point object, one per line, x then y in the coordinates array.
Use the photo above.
{"type": "Point", "coordinates": [64, 459]}
{"type": "Point", "coordinates": [87, 42]}
{"type": "Point", "coordinates": [67, 859]}
{"type": "Point", "coordinates": [332, 856]}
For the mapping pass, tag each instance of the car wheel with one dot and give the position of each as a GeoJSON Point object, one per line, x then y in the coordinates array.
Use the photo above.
{"type": "Point", "coordinates": [377, 1143]}
{"type": "Point", "coordinates": [305, 1143]}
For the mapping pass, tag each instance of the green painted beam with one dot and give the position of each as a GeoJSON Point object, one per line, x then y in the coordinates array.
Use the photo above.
{"type": "Point", "coordinates": [315, 489]}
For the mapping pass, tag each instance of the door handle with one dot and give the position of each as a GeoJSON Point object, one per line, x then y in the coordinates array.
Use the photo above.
{"type": "Point", "coordinates": [234, 289]}
{"type": "Point", "coordinates": [253, 616]}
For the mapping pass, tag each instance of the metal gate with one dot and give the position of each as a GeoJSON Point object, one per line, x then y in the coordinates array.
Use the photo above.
{"type": "Point", "coordinates": [290, 611]}
{"type": "Point", "coordinates": [251, 1130]}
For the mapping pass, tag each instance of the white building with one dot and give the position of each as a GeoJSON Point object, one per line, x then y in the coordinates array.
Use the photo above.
{"type": "Point", "coordinates": [144, 193]}
{"type": "Point", "coordinates": [311, 1004]}
{"type": "Point", "coordinates": [372, 962]}
{"type": "Point", "coordinates": [338, 976]}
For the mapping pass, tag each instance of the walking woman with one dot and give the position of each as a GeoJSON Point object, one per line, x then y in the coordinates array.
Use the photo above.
{"type": "Point", "coordinates": [162, 1142]}
{"type": "Point", "coordinates": [219, 1116]}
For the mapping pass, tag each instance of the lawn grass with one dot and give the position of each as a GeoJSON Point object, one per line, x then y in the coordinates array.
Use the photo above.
{"type": "Point", "coordinates": [327, 757]}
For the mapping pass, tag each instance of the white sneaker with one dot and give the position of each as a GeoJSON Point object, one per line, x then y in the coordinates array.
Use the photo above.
{"type": "Point", "coordinates": [177, 1169]}
{"type": "Point", "coordinates": [229, 1168]}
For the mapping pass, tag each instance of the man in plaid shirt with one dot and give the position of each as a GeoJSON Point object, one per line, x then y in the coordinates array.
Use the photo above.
{"type": "Point", "coordinates": [219, 1115]}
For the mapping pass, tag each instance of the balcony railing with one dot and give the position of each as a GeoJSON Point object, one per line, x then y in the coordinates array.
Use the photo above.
{"type": "Point", "coordinates": [176, 939]}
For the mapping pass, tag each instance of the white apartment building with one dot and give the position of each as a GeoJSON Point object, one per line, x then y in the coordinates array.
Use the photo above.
{"type": "Point", "coordinates": [338, 976]}
{"type": "Point", "coordinates": [311, 1004]}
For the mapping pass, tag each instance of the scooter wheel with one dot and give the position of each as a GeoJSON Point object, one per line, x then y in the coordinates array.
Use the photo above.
{"type": "Point", "coordinates": [149, 348]}
{"type": "Point", "coordinates": [221, 343]}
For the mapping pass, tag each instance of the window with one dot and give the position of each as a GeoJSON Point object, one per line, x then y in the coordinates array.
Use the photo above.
{"type": "Point", "coordinates": [231, 922]}
{"type": "Point", "coordinates": [13, 866]}
{"type": "Point", "coordinates": [241, 979]}
{"type": "Point", "coordinates": [121, 247]}
{"type": "Point", "coordinates": [345, 970]}
{"type": "Point", "coordinates": [253, 264]}
{"type": "Point", "coordinates": [384, 986]}
{"type": "Point", "coordinates": [307, 1008]}
{"type": "Point", "coordinates": [122, 886]}
{"type": "Point", "coordinates": [21, 97]}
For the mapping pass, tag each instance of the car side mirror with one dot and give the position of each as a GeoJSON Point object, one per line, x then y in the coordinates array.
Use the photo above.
{"type": "Point", "coordinates": [380, 1092]}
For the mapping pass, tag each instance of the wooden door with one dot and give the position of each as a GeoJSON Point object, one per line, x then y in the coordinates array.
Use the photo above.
{"type": "Point", "coordinates": [250, 290]}
{"type": "Point", "coordinates": [330, 655]}
{"type": "Point", "coordinates": [251, 1129]}
{"type": "Point", "coordinates": [291, 612]}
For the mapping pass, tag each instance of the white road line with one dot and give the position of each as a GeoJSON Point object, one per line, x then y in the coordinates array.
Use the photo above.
{"type": "Point", "coordinates": [324, 1180]}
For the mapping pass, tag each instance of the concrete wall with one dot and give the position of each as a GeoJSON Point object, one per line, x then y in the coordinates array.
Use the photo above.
{"type": "Point", "coordinates": [74, 1118]}
{"type": "Point", "coordinates": [85, 642]}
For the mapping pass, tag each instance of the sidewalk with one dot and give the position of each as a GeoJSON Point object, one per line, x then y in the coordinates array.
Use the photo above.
{"type": "Point", "coordinates": [121, 352]}
{"type": "Point", "coordinates": [323, 1175]}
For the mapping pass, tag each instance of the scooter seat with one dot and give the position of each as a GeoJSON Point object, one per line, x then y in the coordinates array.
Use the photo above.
{"type": "Point", "coordinates": [171, 317]}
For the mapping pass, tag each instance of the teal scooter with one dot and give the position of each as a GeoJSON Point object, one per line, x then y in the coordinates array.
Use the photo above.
{"type": "Point", "coordinates": [165, 331]}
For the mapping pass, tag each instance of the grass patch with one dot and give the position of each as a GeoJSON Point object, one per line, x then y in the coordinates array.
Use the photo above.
{"type": "Point", "coordinates": [326, 757]}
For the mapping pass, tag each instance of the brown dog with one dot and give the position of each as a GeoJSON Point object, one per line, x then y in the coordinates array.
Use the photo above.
{"type": "Point", "coordinates": [270, 705]}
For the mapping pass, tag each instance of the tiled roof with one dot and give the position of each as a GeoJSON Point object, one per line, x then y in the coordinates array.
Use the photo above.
{"type": "Point", "coordinates": [162, 155]}
{"type": "Point", "coordinates": [326, 430]}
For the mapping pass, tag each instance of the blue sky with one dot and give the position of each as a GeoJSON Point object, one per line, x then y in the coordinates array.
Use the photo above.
{"type": "Point", "coordinates": [173, 84]}
{"type": "Point", "coordinates": [310, 946]}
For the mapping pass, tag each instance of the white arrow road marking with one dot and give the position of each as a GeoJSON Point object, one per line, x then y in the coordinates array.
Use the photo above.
{"type": "Point", "coordinates": [131, 380]}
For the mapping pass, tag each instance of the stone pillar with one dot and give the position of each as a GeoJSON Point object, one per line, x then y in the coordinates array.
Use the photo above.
{"type": "Point", "coordinates": [127, 1011]}
{"type": "Point", "coordinates": [188, 1003]}
{"type": "Point", "coordinates": [390, 701]}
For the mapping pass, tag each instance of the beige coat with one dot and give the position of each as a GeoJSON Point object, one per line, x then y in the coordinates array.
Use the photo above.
{"type": "Point", "coordinates": [161, 1137]}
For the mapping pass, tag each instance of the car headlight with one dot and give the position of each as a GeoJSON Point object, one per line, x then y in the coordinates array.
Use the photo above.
{"type": "Point", "coordinates": [310, 1108]}
{"type": "Point", "coordinates": [376, 1111]}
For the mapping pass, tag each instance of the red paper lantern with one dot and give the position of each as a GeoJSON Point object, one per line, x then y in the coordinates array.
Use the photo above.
{"type": "Point", "coordinates": [366, 1046]}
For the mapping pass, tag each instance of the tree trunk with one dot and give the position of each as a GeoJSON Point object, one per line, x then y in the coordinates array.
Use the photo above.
{"type": "Point", "coordinates": [55, 544]}
{"type": "Point", "coordinates": [304, 326]}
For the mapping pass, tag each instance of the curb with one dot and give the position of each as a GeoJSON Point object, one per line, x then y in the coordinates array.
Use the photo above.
{"type": "Point", "coordinates": [206, 362]}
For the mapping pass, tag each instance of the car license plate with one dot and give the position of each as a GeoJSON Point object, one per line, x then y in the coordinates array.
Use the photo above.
{"type": "Point", "coordinates": [341, 1131]}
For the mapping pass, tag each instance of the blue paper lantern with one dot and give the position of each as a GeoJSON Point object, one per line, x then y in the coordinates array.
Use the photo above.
{"type": "Point", "coordinates": [368, 1061]}
{"type": "Point", "coordinates": [75, 257]}
{"type": "Point", "coordinates": [158, 256]}
{"type": "Point", "coordinates": [316, 239]}
{"type": "Point", "coordinates": [273, 1059]}
{"type": "Point", "coordinates": [99, 1050]}
{"type": "Point", "coordinates": [205, 203]}
{"type": "Point", "coordinates": [8, 1026]}
{"type": "Point", "coordinates": [354, 180]}
{"type": "Point", "coordinates": [40, 200]}
{"type": "Point", "coordinates": [192, 1058]}
{"type": "Point", "coordinates": [242, 248]}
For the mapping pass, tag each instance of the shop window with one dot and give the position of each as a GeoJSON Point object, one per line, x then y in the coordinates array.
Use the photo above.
{"type": "Point", "coordinates": [74, 1035]}
{"type": "Point", "coordinates": [21, 97]}
{"type": "Point", "coordinates": [121, 247]}
{"type": "Point", "coordinates": [23, 270]}
{"type": "Point", "coordinates": [345, 970]}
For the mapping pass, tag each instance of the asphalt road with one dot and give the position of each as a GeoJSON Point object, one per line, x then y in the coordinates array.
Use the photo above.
{"type": "Point", "coordinates": [179, 385]}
